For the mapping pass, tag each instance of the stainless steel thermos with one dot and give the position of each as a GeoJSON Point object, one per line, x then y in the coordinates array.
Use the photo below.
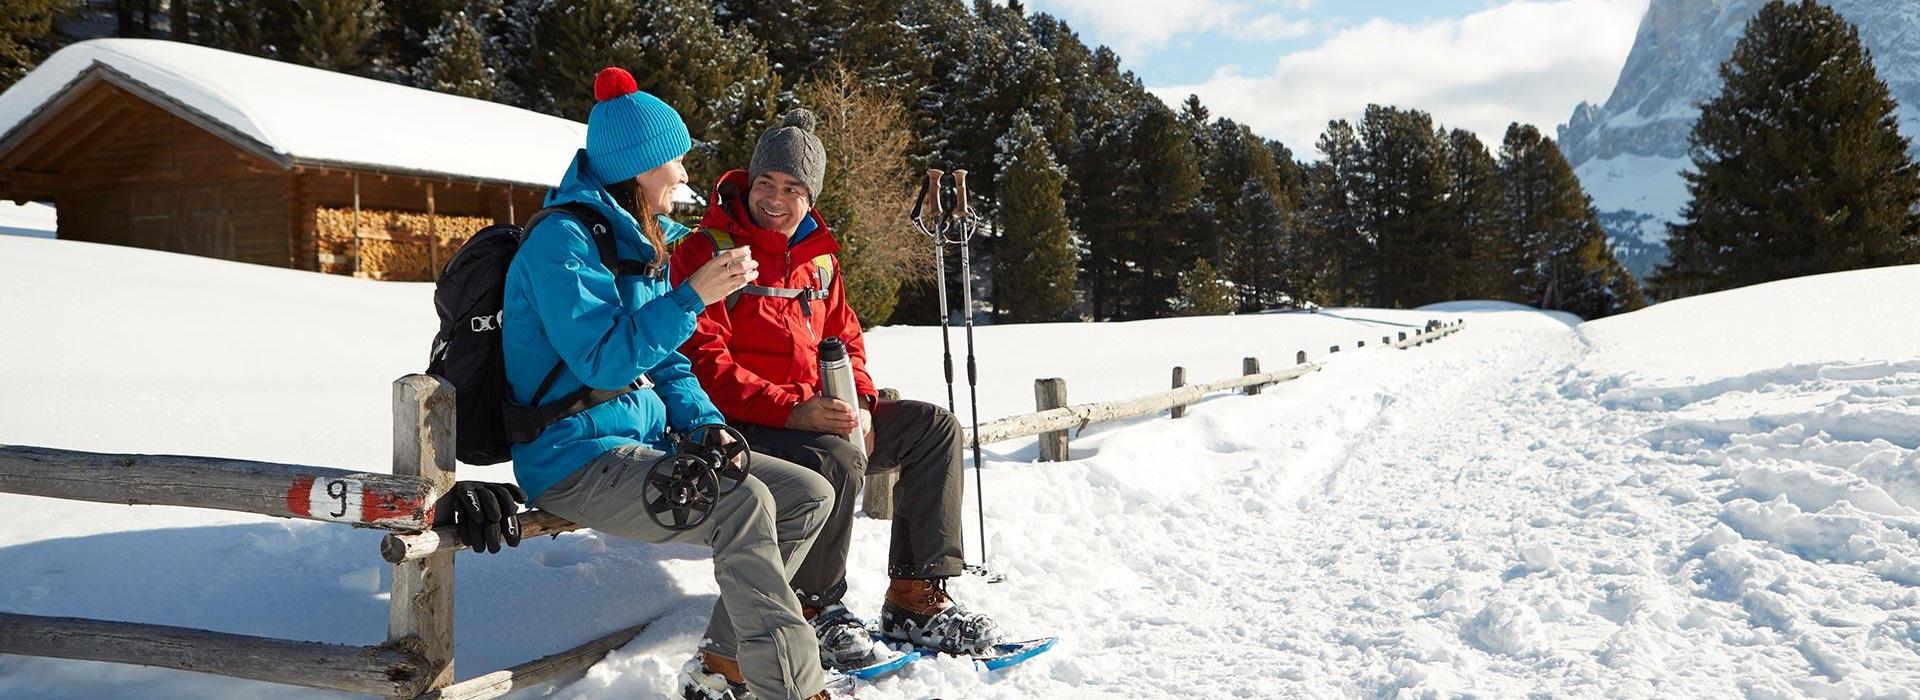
{"type": "Point", "coordinates": [836, 380]}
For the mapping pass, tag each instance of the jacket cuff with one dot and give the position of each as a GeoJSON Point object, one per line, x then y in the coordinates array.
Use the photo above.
{"type": "Point", "coordinates": [687, 298]}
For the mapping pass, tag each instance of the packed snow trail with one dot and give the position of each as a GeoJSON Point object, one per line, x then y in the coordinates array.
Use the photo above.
{"type": "Point", "coordinates": [1476, 516]}
{"type": "Point", "coordinates": [1714, 497]}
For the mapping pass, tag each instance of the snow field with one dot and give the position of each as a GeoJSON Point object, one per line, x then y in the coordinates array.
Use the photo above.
{"type": "Point", "coordinates": [1710, 498]}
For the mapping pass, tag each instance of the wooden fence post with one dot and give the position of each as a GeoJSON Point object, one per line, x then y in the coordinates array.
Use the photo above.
{"type": "Point", "coordinates": [1179, 380]}
{"type": "Point", "coordinates": [876, 497]}
{"type": "Point", "coordinates": [1333, 349]}
{"type": "Point", "coordinates": [1250, 365]}
{"type": "Point", "coordinates": [1386, 340]}
{"type": "Point", "coordinates": [420, 610]}
{"type": "Point", "coordinates": [1403, 336]}
{"type": "Point", "coordinates": [1359, 343]}
{"type": "Point", "coordinates": [1047, 394]}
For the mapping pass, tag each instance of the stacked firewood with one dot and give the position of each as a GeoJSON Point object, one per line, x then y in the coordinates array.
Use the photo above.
{"type": "Point", "coordinates": [391, 245]}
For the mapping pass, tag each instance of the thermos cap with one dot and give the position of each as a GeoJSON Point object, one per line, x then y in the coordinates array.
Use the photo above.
{"type": "Point", "coordinates": [832, 350]}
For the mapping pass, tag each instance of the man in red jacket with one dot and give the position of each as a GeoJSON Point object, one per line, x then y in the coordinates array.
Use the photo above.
{"type": "Point", "coordinates": [757, 356]}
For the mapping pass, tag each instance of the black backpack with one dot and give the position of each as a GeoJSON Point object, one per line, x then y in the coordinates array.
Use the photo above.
{"type": "Point", "coordinates": [466, 352]}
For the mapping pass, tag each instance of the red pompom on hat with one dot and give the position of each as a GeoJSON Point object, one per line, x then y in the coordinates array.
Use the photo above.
{"type": "Point", "coordinates": [613, 82]}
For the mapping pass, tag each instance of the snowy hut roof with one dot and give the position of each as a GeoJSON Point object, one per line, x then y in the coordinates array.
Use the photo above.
{"type": "Point", "coordinates": [296, 115]}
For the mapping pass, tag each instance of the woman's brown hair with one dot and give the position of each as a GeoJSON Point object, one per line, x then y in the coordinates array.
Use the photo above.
{"type": "Point", "coordinates": [627, 194]}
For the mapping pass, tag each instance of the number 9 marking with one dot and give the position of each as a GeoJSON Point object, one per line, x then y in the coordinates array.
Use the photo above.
{"type": "Point", "coordinates": [336, 499]}
{"type": "Point", "coordinates": [338, 490]}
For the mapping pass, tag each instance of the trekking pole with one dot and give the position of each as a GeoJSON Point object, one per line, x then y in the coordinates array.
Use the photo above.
{"type": "Point", "coordinates": [963, 217]}
{"type": "Point", "coordinates": [937, 230]}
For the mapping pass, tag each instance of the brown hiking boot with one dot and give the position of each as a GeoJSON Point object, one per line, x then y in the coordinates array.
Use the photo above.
{"type": "Point", "coordinates": [710, 676]}
{"type": "Point", "coordinates": [921, 613]}
{"type": "Point", "coordinates": [919, 597]}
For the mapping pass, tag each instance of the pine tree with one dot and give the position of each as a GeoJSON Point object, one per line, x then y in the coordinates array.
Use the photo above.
{"type": "Point", "coordinates": [1403, 201]}
{"type": "Point", "coordinates": [1145, 191]}
{"type": "Point", "coordinates": [1798, 164]}
{"type": "Point", "coordinates": [1339, 247]}
{"type": "Point", "coordinates": [334, 34]}
{"type": "Point", "coordinates": [406, 40]}
{"type": "Point", "coordinates": [26, 36]}
{"type": "Point", "coordinates": [1477, 241]}
{"type": "Point", "coordinates": [1203, 293]}
{"type": "Point", "coordinates": [1566, 263]}
{"type": "Point", "coordinates": [456, 61]}
{"type": "Point", "coordinates": [1034, 270]}
{"type": "Point", "coordinates": [717, 78]}
{"type": "Point", "coordinates": [255, 28]}
{"type": "Point", "coordinates": [565, 44]}
{"type": "Point", "coordinates": [1246, 199]}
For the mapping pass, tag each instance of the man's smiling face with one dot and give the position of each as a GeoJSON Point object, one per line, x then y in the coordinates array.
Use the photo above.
{"type": "Point", "coordinates": [778, 202]}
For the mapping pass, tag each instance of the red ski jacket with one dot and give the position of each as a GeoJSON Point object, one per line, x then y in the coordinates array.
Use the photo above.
{"type": "Point", "coordinates": [757, 354]}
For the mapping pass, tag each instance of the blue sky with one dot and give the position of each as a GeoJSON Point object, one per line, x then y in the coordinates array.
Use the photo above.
{"type": "Point", "coordinates": [1285, 67]}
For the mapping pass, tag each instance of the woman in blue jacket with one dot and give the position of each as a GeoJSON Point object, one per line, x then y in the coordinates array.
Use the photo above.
{"type": "Point", "coordinates": [608, 330]}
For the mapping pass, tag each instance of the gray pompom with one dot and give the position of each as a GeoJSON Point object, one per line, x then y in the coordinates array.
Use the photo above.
{"type": "Point", "coordinates": [801, 118]}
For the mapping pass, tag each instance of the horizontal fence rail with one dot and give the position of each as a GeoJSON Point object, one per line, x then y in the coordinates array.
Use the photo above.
{"type": "Point", "coordinates": [382, 501]}
{"type": "Point", "coordinates": [382, 671]}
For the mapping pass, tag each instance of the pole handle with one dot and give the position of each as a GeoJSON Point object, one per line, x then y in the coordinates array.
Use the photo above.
{"type": "Point", "coordinates": [961, 207]}
{"type": "Point", "coordinates": [932, 190]}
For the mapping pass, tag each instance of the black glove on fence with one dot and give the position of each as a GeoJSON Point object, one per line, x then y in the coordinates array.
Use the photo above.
{"type": "Point", "coordinates": [487, 514]}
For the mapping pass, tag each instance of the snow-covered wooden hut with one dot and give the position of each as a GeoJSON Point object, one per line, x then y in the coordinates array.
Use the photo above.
{"type": "Point", "coordinates": [195, 150]}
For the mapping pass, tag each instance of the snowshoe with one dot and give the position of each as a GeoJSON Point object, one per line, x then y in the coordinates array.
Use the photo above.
{"type": "Point", "coordinates": [847, 646]}
{"type": "Point", "coordinates": [922, 614]}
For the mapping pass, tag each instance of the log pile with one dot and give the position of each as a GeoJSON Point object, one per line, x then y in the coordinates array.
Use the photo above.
{"type": "Point", "coordinates": [392, 245]}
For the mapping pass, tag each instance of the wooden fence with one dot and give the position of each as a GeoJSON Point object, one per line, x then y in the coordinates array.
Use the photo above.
{"type": "Point", "coordinates": [416, 661]}
{"type": "Point", "coordinates": [1053, 418]}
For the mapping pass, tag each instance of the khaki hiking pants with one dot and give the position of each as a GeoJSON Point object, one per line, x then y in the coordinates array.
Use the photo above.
{"type": "Point", "coordinates": [758, 533]}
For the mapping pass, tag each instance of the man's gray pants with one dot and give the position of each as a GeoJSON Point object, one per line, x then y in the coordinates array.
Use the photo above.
{"type": "Point", "coordinates": [758, 533]}
{"type": "Point", "coordinates": [925, 442]}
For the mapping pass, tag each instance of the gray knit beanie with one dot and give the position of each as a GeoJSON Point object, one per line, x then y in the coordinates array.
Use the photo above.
{"type": "Point", "coordinates": [792, 148]}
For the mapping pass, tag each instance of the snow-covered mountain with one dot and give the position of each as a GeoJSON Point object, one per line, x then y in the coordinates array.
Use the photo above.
{"type": "Point", "coordinates": [1629, 152]}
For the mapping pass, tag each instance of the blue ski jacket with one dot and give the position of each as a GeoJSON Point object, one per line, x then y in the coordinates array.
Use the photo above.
{"type": "Point", "coordinates": [563, 305]}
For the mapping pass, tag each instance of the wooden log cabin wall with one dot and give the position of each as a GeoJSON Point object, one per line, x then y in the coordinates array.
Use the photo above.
{"type": "Point", "coordinates": [123, 168]}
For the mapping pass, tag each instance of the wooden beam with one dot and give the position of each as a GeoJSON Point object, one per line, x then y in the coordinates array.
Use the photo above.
{"type": "Point", "coordinates": [537, 671]}
{"type": "Point", "coordinates": [1049, 394]}
{"type": "Point", "coordinates": [36, 181]}
{"type": "Point", "coordinates": [1179, 380]}
{"type": "Point", "coordinates": [364, 670]}
{"type": "Point", "coordinates": [384, 501]}
{"type": "Point", "coordinates": [1074, 417]}
{"type": "Point", "coordinates": [412, 546]}
{"type": "Point", "coordinates": [192, 116]}
{"type": "Point", "coordinates": [85, 94]}
{"type": "Point", "coordinates": [420, 609]}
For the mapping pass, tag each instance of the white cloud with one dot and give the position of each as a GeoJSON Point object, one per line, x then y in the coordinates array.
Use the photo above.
{"type": "Point", "coordinates": [1526, 61]}
{"type": "Point", "coordinates": [1269, 27]}
{"type": "Point", "coordinates": [1137, 28]}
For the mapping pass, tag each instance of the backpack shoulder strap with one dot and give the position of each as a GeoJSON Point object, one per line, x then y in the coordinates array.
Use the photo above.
{"type": "Point", "coordinates": [721, 239]}
{"type": "Point", "coordinates": [824, 264]}
{"type": "Point", "coordinates": [597, 228]}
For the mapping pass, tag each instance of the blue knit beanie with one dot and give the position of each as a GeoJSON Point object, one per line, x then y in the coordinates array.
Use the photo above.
{"type": "Point", "coordinates": [629, 131]}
